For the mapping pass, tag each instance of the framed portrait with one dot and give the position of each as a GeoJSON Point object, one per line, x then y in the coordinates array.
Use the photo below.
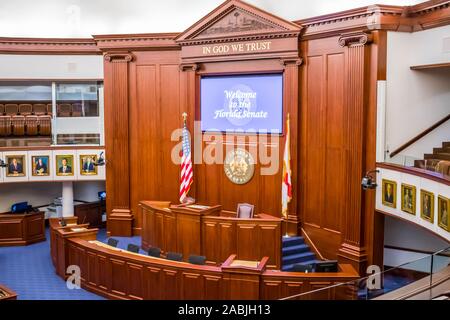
{"type": "Point", "coordinates": [389, 193]}
{"type": "Point", "coordinates": [87, 167]}
{"type": "Point", "coordinates": [443, 206]}
{"type": "Point", "coordinates": [408, 198]}
{"type": "Point", "coordinates": [40, 166]}
{"type": "Point", "coordinates": [64, 165]}
{"type": "Point", "coordinates": [15, 166]}
{"type": "Point", "coordinates": [427, 205]}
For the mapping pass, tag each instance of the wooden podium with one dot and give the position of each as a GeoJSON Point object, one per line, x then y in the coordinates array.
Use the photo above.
{"type": "Point", "coordinates": [21, 229]}
{"type": "Point", "coordinates": [211, 232]}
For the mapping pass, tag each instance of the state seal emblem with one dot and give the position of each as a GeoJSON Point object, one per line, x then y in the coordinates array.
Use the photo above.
{"type": "Point", "coordinates": [239, 166]}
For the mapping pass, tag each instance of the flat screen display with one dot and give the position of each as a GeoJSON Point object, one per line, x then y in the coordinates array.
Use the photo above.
{"type": "Point", "coordinates": [242, 103]}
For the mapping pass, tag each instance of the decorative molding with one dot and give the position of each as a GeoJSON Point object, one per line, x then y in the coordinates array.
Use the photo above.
{"type": "Point", "coordinates": [189, 67]}
{"type": "Point", "coordinates": [355, 39]}
{"type": "Point", "coordinates": [147, 41]}
{"type": "Point", "coordinates": [48, 46]}
{"type": "Point", "coordinates": [290, 61]}
{"type": "Point", "coordinates": [117, 57]}
{"type": "Point", "coordinates": [237, 21]}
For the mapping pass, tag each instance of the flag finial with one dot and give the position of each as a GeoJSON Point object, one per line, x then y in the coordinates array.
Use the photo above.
{"type": "Point", "coordinates": [184, 115]}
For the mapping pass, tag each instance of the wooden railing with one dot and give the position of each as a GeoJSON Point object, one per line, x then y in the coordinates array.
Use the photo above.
{"type": "Point", "coordinates": [419, 136]}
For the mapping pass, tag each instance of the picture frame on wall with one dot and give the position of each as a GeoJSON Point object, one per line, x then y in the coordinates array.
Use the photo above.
{"type": "Point", "coordinates": [443, 207]}
{"type": "Point", "coordinates": [87, 165]}
{"type": "Point", "coordinates": [427, 205]}
{"type": "Point", "coordinates": [16, 166]}
{"type": "Point", "coordinates": [40, 165]}
{"type": "Point", "coordinates": [408, 198]}
{"type": "Point", "coordinates": [389, 193]}
{"type": "Point", "coordinates": [64, 165]}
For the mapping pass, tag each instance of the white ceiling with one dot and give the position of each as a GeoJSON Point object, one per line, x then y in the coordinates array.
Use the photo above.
{"type": "Point", "coordinates": [82, 18]}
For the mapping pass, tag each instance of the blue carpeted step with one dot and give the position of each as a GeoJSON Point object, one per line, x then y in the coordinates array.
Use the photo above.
{"type": "Point", "coordinates": [296, 258]}
{"type": "Point", "coordinates": [292, 241]}
{"type": "Point", "coordinates": [295, 249]}
{"type": "Point", "coordinates": [288, 267]}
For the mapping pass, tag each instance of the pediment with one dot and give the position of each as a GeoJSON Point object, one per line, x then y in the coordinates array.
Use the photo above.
{"type": "Point", "coordinates": [235, 18]}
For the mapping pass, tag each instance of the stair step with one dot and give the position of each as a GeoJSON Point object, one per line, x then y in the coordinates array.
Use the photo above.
{"type": "Point", "coordinates": [292, 241]}
{"type": "Point", "coordinates": [446, 144]}
{"type": "Point", "coordinates": [441, 150]}
{"type": "Point", "coordinates": [437, 156]}
{"type": "Point", "coordinates": [296, 258]}
{"type": "Point", "coordinates": [289, 267]}
{"type": "Point", "coordinates": [295, 249]}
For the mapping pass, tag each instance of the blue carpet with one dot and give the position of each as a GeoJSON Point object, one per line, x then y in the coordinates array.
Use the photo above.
{"type": "Point", "coordinates": [29, 271]}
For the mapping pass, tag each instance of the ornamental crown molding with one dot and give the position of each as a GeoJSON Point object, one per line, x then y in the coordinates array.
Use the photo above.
{"type": "Point", "coordinates": [48, 45]}
{"type": "Point", "coordinates": [236, 20]}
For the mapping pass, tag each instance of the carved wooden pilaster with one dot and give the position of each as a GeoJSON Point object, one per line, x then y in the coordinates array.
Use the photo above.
{"type": "Point", "coordinates": [120, 217]}
{"type": "Point", "coordinates": [356, 78]}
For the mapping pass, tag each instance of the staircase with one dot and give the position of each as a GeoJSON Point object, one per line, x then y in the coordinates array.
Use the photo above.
{"type": "Point", "coordinates": [294, 250]}
{"type": "Point", "coordinates": [438, 161]}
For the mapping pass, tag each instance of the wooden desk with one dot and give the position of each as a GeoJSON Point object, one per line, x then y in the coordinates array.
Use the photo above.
{"type": "Point", "coordinates": [118, 274]}
{"type": "Point", "coordinates": [21, 229]}
{"type": "Point", "coordinates": [91, 213]}
{"type": "Point", "coordinates": [58, 241]}
{"type": "Point", "coordinates": [210, 232]}
{"type": "Point", "coordinates": [7, 294]}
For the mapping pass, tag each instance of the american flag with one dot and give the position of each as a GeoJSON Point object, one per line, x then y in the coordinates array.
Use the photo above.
{"type": "Point", "coordinates": [187, 175]}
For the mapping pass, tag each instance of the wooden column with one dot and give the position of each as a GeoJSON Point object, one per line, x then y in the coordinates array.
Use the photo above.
{"type": "Point", "coordinates": [291, 105]}
{"type": "Point", "coordinates": [357, 55]}
{"type": "Point", "coordinates": [120, 217]}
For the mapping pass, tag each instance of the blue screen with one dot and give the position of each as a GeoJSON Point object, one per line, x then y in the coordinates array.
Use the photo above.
{"type": "Point", "coordinates": [243, 103]}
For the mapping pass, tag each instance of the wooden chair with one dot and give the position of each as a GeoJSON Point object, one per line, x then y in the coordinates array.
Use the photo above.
{"type": "Point", "coordinates": [31, 125]}
{"type": "Point", "coordinates": [2, 109]}
{"type": "Point", "coordinates": [49, 109]}
{"type": "Point", "coordinates": [5, 126]}
{"type": "Point", "coordinates": [45, 125]}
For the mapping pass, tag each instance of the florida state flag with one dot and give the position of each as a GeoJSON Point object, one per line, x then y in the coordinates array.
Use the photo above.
{"type": "Point", "coordinates": [286, 186]}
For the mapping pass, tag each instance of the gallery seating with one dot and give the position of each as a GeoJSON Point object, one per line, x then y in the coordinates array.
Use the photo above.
{"type": "Point", "coordinates": [64, 110]}
{"type": "Point", "coordinates": [77, 110]}
{"type": "Point", "coordinates": [25, 119]}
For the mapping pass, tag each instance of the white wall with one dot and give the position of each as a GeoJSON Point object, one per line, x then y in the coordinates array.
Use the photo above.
{"type": "Point", "coordinates": [416, 99]}
{"type": "Point", "coordinates": [51, 66]}
{"type": "Point", "coordinates": [42, 193]}
{"type": "Point", "coordinates": [78, 18]}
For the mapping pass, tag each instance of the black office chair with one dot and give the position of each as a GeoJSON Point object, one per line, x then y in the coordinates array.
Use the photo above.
{"type": "Point", "coordinates": [154, 252]}
{"type": "Point", "coordinates": [113, 242]}
{"type": "Point", "coordinates": [133, 248]}
{"type": "Point", "coordinates": [175, 256]}
{"type": "Point", "coordinates": [302, 267]}
{"type": "Point", "coordinates": [194, 259]}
